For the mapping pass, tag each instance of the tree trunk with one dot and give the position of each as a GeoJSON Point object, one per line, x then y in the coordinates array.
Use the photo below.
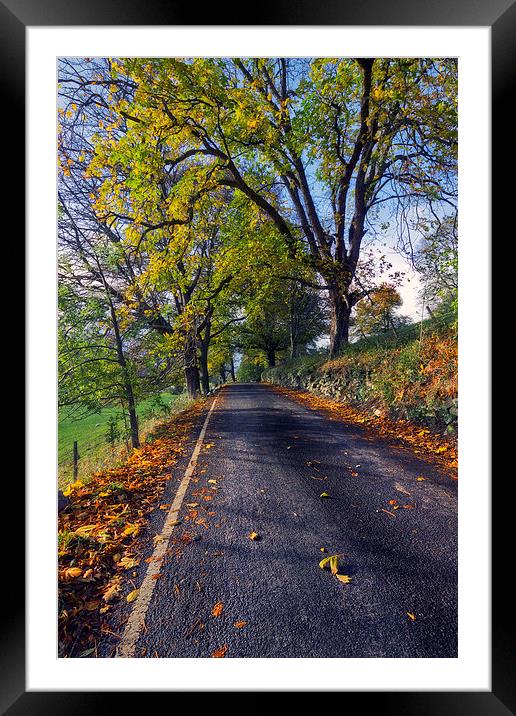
{"type": "Point", "coordinates": [193, 386]}
{"type": "Point", "coordinates": [203, 365]}
{"type": "Point", "coordinates": [204, 345]}
{"type": "Point", "coordinates": [232, 369]}
{"type": "Point", "coordinates": [339, 326]}
{"type": "Point", "coordinates": [191, 368]}
{"type": "Point", "coordinates": [271, 357]}
{"type": "Point", "coordinates": [128, 388]}
{"type": "Point", "coordinates": [133, 418]}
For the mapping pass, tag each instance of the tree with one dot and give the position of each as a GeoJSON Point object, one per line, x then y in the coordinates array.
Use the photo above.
{"type": "Point", "coordinates": [437, 262]}
{"type": "Point", "coordinates": [375, 313]}
{"type": "Point", "coordinates": [93, 367]}
{"type": "Point", "coordinates": [362, 133]}
{"type": "Point", "coordinates": [161, 270]}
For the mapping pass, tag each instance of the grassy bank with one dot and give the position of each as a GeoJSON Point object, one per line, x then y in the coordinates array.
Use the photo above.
{"type": "Point", "coordinates": [91, 433]}
{"type": "Point", "coordinates": [410, 374]}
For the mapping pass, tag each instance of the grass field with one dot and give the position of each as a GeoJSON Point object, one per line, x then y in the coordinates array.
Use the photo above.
{"type": "Point", "coordinates": [91, 434]}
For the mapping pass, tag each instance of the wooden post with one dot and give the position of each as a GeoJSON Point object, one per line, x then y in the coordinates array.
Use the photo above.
{"type": "Point", "coordinates": [75, 460]}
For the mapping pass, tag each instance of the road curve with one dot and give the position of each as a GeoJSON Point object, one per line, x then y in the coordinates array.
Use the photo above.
{"type": "Point", "coordinates": [271, 459]}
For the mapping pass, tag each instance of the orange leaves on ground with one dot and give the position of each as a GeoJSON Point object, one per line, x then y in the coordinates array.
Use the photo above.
{"type": "Point", "coordinates": [217, 609]}
{"type": "Point", "coordinates": [220, 653]}
{"type": "Point", "coordinates": [98, 531]}
{"type": "Point", "coordinates": [254, 536]}
{"type": "Point", "coordinates": [240, 624]}
{"type": "Point", "coordinates": [428, 445]}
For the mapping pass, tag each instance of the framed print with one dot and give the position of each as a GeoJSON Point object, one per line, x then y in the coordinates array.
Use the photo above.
{"type": "Point", "coordinates": [273, 249]}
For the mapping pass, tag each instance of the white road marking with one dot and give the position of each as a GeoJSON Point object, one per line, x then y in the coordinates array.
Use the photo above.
{"type": "Point", "coordinates": [136, 619]}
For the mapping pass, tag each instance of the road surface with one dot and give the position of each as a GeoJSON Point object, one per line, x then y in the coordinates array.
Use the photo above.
{"type": "Point", "coordinates": [271, 459]}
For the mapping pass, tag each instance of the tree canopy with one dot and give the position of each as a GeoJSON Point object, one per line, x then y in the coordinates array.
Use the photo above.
{"type": "Point", "coordinates": [215, 206]}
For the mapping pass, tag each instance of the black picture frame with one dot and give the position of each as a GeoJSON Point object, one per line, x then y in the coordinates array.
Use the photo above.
{"type": "Point", "coordinates": [500, 16]}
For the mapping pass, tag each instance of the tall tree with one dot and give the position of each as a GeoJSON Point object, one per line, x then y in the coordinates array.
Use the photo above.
{"type": "Point", "coordinates": [376, 312]}
{"type": "Point", "coordinates": [317, 145]}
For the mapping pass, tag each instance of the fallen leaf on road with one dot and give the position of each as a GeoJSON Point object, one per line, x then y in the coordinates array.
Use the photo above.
{"type": "Point", "coordinates": [400, 488]}
{"type": "Point", "coordinates": [192, 504]}
{"type": "Point", "coordinates": [220, 653]}
{"type": "Point", "coordinates": [239, 624]}
{"type": "Point", "coordinates": [209, 445]}
{"type": "Point", "coordinates": [322, 549]}
{"type": "Point", "coordinates": [156, 576]}
{"type": "Point", "coordinates": [212, 482]}
{"type": "Point", "coordinates": [217, 609]}
{"type": "Point", "coordinates": [408, 507]}
{"type": "Point", "coordinates": [411, 616]}
{"type": "Point", "coordinates": [393, 502]}
{"type": "Point", "coordinates": [324, 494]}
{"type": "Point", "coordinates": [389, 513]}
{"type": "Point", "coordinates": [332, 562]}
{"type": "Point", "coordinates": [164, 507]}
{"type": "Point", "coordinates": [421, 479]}
{"type": "Point", "coordinates": [254, 535]}
{"type": "Point", "coordinates": [343, 578]}
{"type": "Point", "coordinates": [132, 595]}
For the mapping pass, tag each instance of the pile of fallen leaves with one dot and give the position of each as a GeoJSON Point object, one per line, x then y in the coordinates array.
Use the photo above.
{"type": "Point", "coordinates": [98, 533]}
{"type": "Point", "coordinates": [422, 441]}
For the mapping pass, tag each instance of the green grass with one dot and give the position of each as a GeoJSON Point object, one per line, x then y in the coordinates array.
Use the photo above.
{"type": "Point", "coordinates": [90, 431]}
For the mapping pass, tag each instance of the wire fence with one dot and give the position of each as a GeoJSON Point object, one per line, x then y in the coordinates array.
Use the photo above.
{"type": "Point", "coordinates": [89, 454]}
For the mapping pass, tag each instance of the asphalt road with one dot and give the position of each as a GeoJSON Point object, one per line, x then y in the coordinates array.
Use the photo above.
{"type": "Point", "coordinates": [271, 459]}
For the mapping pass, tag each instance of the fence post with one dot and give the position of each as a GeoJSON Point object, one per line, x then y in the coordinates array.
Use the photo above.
{"type": "Point", "coordinates": [75, 460]}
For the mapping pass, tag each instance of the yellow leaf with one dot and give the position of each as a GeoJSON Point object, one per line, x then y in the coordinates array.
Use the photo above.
{"type": "Point", "coordinates": [132, 595]}
{"type": "Point", "coordinates": [84, 530]}
{"type": "Point", "coordinates": [253, 535]}
{"type": "Point", "coordinates": [71, 487]}
{"type": "Point", "coordinates": [411, 616]}
{"type": "Point", "coordinates": [73, 572]}
{"type": "Point", "coordinates": [111, 593]}
{"type": "Point", "coordinates": [132, 530]}
{"type": "Point", "coordinates": [128, 562]}
{"type": "Point", "coordinates": [343, 578]}
{"type": "Point", "coordinates": [324, 494]}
